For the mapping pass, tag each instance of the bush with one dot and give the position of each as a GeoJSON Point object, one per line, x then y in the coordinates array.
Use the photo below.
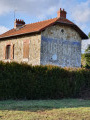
{"type": "Point", "coordinates": [22, 81]}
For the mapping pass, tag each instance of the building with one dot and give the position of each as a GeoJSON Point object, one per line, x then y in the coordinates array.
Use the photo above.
{"type": "Point", "coordinates": [55, 41]}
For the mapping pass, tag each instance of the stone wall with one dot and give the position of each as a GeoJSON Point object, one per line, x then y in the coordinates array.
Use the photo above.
{"type": "Point", "coordinates": [61, 45]}
{"type": "Point", "coordinates": [57, 45]}
{"type": "Point", "coordinates": [34, 49]}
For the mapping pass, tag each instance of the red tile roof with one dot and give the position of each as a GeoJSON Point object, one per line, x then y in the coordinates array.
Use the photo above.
{"type": "Point", "coordinates": [39, 26]}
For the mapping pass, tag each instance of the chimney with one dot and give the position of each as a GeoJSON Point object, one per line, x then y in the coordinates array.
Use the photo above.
{"type": "Point", "coordinates": [18, 23]}
{"type": "Point", "coordinates": [61, 13]}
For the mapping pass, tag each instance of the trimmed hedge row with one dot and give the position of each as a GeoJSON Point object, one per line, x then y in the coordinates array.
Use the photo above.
{"type": "Point", "coordinates": [22, 81]}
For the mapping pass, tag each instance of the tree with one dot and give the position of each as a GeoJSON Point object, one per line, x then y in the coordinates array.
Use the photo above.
{"type": "Point", "coordinates": [89, 34]}
{"type": "Point", "coordinates": [87, 57]}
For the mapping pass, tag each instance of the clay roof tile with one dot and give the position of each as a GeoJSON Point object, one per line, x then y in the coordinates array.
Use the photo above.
{"type": "Point", "coordinates": [38, 27]}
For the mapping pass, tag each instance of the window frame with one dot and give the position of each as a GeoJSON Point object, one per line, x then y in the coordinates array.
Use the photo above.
{"type": "Point", "coordinates": [8, 52]}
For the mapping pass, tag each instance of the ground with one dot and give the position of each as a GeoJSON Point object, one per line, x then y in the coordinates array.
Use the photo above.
{"type": "Point", "coordinates": [66, 109]}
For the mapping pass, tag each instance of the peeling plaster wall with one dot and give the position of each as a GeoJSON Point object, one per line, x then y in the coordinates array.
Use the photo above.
{"type": "Point", "coordinates": [60, 47]}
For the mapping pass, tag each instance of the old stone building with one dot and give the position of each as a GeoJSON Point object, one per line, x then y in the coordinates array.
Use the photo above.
{"type": "Point", "coordinates": [55, 41]}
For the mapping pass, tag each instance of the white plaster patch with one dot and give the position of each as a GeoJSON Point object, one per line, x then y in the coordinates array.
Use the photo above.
{"type": "Point", "coordinates": [54, 57]}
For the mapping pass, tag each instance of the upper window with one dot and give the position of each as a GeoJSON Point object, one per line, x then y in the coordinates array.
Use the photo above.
{"type": "Point", "coordinates": [62, 30]}
{"type": "Point", "coordinates": [8, 51]}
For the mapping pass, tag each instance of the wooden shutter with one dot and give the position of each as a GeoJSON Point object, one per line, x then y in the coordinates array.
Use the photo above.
{"type": "Point", "coordinates": [12, 54]}
{"type": "Point", "coordinates": [26, 49]}
{"type": "Point", "coordinates": [4, 53]}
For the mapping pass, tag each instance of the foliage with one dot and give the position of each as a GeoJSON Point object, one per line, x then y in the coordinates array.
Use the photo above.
{"type": "Point", "coordinates": [22, 81]}
{"type": "Point", "coordinates": [83, 60]}
{"type": "Point", "coordinates": [89, 34]}
{"type": "Point", "coordinates": [87, 56]}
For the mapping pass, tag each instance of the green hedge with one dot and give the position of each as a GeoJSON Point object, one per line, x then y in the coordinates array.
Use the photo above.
{"type": "Point", "coordinates": [21, 81]}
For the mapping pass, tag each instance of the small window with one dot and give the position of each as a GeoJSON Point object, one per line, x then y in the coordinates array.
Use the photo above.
{"type": "Point", "coordinates": [62, 30]}
{"type": "Point", "coordinates": [8, 51]}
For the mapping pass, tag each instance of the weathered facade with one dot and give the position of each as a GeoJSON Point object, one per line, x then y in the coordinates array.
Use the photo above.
{"type": "Point", "coordinates": [61, 46]}
{"type": "Point", "coordinates": [56, 41]}
{"type": "Point", "coordinates": [33, 41]}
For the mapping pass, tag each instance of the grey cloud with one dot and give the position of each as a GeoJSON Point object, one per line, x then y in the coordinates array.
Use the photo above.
{"type": "Point", "coordinates": [3, 29]}
{"type": "Point", "coordinates": [33, 7]}
{"type": "Point", "coordinates": [44, 8]}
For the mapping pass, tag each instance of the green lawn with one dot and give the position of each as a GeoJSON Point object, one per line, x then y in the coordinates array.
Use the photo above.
{"type": "Point", "coordinates": [66, 109]}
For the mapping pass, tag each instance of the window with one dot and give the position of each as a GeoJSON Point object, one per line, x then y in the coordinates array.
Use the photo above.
{"type": "Point", "coordinates": [62, 30]}
{"type": "Point", "coordinates": [8, 51]}
{"type": "Point", "coordinates": [26, 50]}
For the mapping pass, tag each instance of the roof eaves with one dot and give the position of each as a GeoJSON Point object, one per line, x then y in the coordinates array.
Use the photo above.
{"type": "Point", "coordinates": [19, 34]}
{"type": "Point", "coordinates": [82, 34]}
{"type": "Point", "coordinates": [28, 32]}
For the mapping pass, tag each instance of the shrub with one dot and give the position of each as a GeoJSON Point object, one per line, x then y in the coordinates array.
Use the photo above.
{"type": "Point", "coordinates": [22, 81]}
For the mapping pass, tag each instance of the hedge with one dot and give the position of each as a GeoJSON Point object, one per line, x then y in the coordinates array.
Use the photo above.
{"type": "Point", "coordinates": [22, 81]}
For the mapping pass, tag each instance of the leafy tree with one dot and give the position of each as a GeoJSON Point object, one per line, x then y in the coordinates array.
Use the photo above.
{"type": "Point", "coordinates": [83, 60]}
{"type": "Point", "coordinates": [88, 49]}
{"type": "Point", "coordinates": [89, 34]}
{"type": "Point", "coordinates": [87, 57]}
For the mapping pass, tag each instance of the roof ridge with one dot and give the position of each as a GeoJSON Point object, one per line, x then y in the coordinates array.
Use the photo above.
{"type": "Point", "coordinates": [42, 21]}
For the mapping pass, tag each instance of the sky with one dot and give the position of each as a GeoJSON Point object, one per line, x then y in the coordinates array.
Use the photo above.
{"type": "Point", "coordinates": [78, 11]}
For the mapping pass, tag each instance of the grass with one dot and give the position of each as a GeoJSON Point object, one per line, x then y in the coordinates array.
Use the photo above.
{"type": "Point", "coordinates": [66, 109]}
